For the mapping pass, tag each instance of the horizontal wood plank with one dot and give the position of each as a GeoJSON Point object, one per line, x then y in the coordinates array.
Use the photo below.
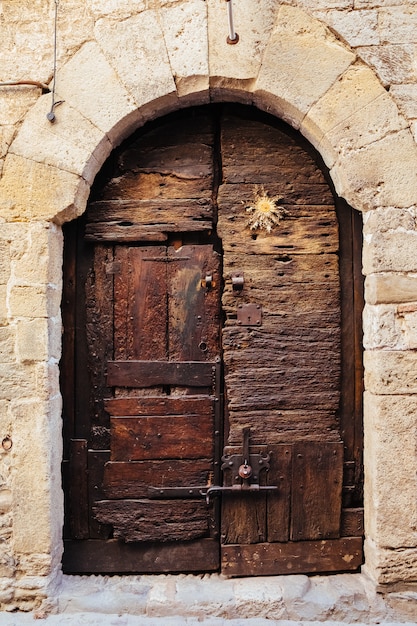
{"type": "Point", "coordinates": [150, 373]}
{"type": "Point", "coordinates": [132, 479]}
{"type": "Point", "coordinates": [145, 520]}
{"type": "Point", "coordinates": [106, 557]}
{"type": "Point", "coordinates": [161, 437]}
{"type": "Point", "coordinates": [268, 559]}
{"type": "Point", "coordinates": [161, 405]}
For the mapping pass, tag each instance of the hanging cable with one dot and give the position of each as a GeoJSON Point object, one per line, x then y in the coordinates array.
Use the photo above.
{"type": "Point", "coordinates": [233, 37]}
{"type": "Point", "coordinates": [51, 115]}
{"type": "Point", "coordinates": [16, 83]}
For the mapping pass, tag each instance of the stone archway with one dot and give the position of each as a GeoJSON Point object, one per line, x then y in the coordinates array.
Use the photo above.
{"type": "Point", "coordinates": [300, 73]}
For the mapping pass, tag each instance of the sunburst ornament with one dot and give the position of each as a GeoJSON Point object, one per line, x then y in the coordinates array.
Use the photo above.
{"type": "Point", "coordinates": [265, 212]}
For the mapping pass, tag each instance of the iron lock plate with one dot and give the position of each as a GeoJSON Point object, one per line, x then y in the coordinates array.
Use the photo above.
{"type": "Point", "coordinates": [249, 314]}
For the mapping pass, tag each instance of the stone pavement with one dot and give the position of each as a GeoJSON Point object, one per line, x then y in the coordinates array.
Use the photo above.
{"type": "Point", "coordinates": [100, 619]}
{"type": "Point", "coordinates": [213, 600]}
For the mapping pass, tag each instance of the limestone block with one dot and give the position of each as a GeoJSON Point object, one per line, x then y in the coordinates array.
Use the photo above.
{"type": "Point", "coordinates": [36, 254]}
{"type": "Point", "coordinates": [259, 597]}
{"type": "Point", "coordinates": [71, 143]}
{"type": "Point", "coordinates": [392, 63]}
{"type": "Point", "coordinates": [383, 173]}
{"type": "Point", "coordinates": [388, 220]}
{"type": "Point", "coordinates": [253, 24]}
{"type": "Point", "coordinates": [120, 9]}
{"type": "Point", "coordinates": [406, 99]}
{"type": "Point", "coordinates": [136, 49]}
{"type": "Point", "coordinates": [18, 381]}
{"type": "Point", "coordinates": [355, 112]}
{"type": "Point", "coordinates": [358, 28]}
{"type": "Point", "coordinates": [301, 62]}
{"type": "Point", "coordinates": [398, 24]}
{"type": "Point", "coordinates": [7, 344]}
{"type": "Point", "coordinates": [407, 315]}
{"type": "Point", "coordinates": [390, 252]}
{"type": "Point", "coordinates": [388, 566]}
{"type": "Point", "coordinates": [34, 301]}
{"type": "Point", "coordinates": [30, 190]}
{"type": "Point", "coordinates": [185, 32]}
{"type": "Point", "coordinates": [381, 328]}
{"type": "Point", "coordinates": [213, 597]}
{"type": "Point", "coordinates": [391, 460]}
{"type": "Point", "coordinates": [91, 86]}
{"type": "Point", "coordinates": [31, 484]}
{"type": "Point", "coordinates": [15, 102]}
{"type": "Point", "coordinates": [390, 372]}
{"type": "Point", "coordinates": [47, 380]}
{"type": "Point", "coordinates": [34, 44]}
{"type": "Point", "coordinates": [32, 340]}
{"type": "Point", "coordinates": [391, 287]}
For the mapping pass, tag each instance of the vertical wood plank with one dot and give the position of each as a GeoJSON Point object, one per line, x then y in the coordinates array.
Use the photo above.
{"type": "Point", "coordinates": [67, 365]}
{"type": "Point", "coordinates": [317, 476]}
{"type": "Point", "coordinates": [278, 503]}
{"type": "Point", "coordinates": [78, 489]}
{"type": "Point", "coordinates": [194, 324]}
{"type": "Point", "coordinates": [140, 303]}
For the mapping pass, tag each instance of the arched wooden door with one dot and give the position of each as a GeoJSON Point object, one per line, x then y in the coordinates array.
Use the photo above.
{"type": "Point", "coordinates": [211, 370]}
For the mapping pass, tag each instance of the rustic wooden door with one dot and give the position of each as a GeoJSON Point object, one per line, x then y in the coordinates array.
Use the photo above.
{"type": "Point", "coordinates": [162, 317]}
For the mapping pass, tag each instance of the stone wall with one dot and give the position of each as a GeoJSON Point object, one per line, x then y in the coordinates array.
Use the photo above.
{"type": "Point", "coordinates": [342, 72]}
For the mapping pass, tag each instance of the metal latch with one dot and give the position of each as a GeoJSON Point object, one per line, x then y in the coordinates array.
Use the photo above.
{"type": "Point", "coordinates": [245, 468]}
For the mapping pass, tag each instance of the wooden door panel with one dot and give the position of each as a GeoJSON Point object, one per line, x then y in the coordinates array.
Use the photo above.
{"type": "Point", "coordinates": [163, 437]}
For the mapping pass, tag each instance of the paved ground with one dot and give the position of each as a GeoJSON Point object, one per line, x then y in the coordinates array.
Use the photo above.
{"type": "Point", "coordinates": [98, 619]}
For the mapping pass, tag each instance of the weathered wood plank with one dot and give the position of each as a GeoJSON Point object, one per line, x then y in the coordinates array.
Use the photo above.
{"type": "Point", "coordinates": [102, 557]}
{"type": "Point", "coordinates": [151, 520]}
{"type": "Point", "coordinates": [278, 503]}
{"type": "Point", "coordinates": [150, 373]}
{"type": "Point", "coordinates": [144, 219]}
{"type": "Point", "coordinates": [132, 479]}
{"type": "Point", "coordinates": [284, 269]}
{"type": "Point", "coordinates": [193, 307]}
{"type": "Point", "coordinates": [303, 557]}
{"type": "Point", "coordinates": [99, 336]}
{"type": "Point", "coordinates": [294, 194]}
{"type": "Point", "coordinates": [78, 489]}
{"type": "Point", "coordinates": [317, 477]}
{"type": "Point", "coordinates": [157, 405]}
{"type": "Point", "coordinates": [96, 463]}
{"type": "Point", "coordinates": [290, 236]}
{"type": "Point", "coordinates": [139, 306]}
{"type": "Point", "coordinates": [167, 437]}
{"type": "Point", "coordinates": [283, 426]}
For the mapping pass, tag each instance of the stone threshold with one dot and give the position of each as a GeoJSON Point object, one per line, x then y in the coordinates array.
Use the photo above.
{"type": "Point", "coordinates": [214, 600]}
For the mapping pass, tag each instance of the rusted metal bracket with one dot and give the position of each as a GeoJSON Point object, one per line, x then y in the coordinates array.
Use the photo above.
{"type": "Point", "coordinates": [238, 282]}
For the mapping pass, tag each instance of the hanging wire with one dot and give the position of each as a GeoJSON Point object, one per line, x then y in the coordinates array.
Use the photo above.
{"type": "Point", "coordinates": [51, 115]}
{"type": "Point", "coordinates": [16, 83]}
{"type": "Point", "coordinates": [233, 37]}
